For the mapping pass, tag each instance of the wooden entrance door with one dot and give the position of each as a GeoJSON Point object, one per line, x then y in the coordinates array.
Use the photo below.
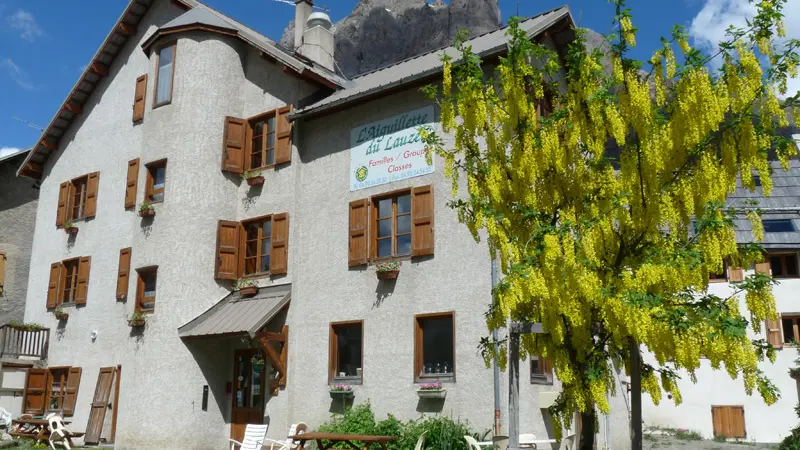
{"type": "Point", "coordinates": [248, 393]}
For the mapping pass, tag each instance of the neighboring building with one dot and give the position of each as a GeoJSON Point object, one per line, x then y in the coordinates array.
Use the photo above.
{"type": "Point", "coordinates": [717, 405]}
{"type": "Point", "coordinates": [17, 217]}
{"type": "Point", "coordinates": [205, 91]}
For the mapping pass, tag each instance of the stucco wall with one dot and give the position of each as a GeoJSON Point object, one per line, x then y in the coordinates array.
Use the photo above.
{"type": "Point", "coordinates": [17, 215]}
{"type": "Point", "coordinates": [715, 387]}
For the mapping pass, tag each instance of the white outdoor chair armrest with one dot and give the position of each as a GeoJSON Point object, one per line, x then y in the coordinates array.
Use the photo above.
{"type": "Point", "coordinates": [273, 442]}
{"type": "Point", "coordinates": [234, 442]}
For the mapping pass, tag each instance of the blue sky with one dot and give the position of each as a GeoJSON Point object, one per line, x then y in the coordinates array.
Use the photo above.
{"type": "Point", "coordinates": [45, 44]}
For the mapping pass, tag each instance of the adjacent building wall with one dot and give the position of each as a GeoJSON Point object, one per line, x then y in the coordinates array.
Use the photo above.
{"type": "Point", "coordinates": [18, 198]}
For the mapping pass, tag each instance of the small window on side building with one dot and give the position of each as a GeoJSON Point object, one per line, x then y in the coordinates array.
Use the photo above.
{"type": "Point", "coordinates": [778, 226]}
{"type": "Point", "coordinates": [784, 265]}
{"type": "Point", "coordinates": [165, 73]}
{"type": "Point", "coordinates": [541, 371]}
{"type": "Point", "coordinates": [146, 290]}
{"type": "Point", "coordinates": [434, 347]}
{"type": "Point", "coordinates": [156, 181]}
{"type": "Point", "coordinates": [346, 351]}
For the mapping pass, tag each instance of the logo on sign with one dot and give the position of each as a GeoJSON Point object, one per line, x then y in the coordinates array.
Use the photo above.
{"type": "Point", "coordinates": [361, 173]}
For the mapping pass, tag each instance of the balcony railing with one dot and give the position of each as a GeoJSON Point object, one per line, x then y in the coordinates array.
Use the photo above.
{"type": "Point", "coordinates": [19, 342]}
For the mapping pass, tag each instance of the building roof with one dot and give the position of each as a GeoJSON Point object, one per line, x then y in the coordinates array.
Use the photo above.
{"type": "Point", "coordinates": [125, 28]}
{"type": "Point", "coordinates": [13, 156]}
{"type": "Point", "coordinates": [238, 315]}
{"type": "Point", "coordinates": [428, 64]}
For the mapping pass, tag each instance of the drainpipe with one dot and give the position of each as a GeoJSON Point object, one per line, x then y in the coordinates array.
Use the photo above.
{"type": "Point", "coordinates": [497, 422]}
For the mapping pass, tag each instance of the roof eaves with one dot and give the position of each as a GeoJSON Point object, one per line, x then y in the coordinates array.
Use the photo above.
{"type": "Point", "coordinates": [14, 155]}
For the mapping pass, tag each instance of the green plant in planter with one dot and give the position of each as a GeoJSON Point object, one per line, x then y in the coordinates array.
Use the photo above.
{"type": "Point", "coordinates": [390, 266]}
{"type": "Point", "coordinates": [145, 206]}
{"type": "Point", "coordinates": [137, 319]}
{"type": "Point", "coordinates": [69, 224]}
{"type": "Point", "coordinates": [257, 360]}
{"type": "Point", "coordinates": [244, 283]}
{"type": "Point", "coordinates": [248, 174]}
{"type": "Point", "coordinates": [26, 326]}
{"type": "Point", "coordinates": [60, 314]}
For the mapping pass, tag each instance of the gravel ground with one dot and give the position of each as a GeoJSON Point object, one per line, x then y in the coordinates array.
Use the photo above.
{"type": "Point", "coordinates": [666, 442]}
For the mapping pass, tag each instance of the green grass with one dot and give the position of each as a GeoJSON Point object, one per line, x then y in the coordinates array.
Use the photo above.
{"type": "Point", "coordinates": [688, 435]}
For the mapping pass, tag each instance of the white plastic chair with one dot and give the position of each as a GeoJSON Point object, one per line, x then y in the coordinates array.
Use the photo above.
{"type": "Point", "coordinates": [528, 438]}
{"type": "Point", "coordinates": [254, 437]}
{"type": "Point", "coordinates": [5, 418]}
{"type": "Point", "coordinates": [420, 441]}
{"type": "Point", "coordinates": [289, 444]}
{"type": "Point", "coordinates": [473, 444]}
{"type": "Point", "coordinates": [58, 432]}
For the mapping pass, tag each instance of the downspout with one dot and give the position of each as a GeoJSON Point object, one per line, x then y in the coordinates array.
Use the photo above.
{"type": "Point", "coordinates": [497, 422]}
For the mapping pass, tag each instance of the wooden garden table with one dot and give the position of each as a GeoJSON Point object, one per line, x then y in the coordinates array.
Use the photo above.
{"type": "Point", "coordinates": [351, 440]}
{"type": "Point", "coordinates": [38, 429]}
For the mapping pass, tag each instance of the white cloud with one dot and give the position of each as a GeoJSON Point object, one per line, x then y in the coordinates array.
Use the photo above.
{"type": "Point", "coordinates": [6, 151]}
{"type": "Point", "coordinates": [709, 25]}
{"type": "Point", "coordinates": [17, 74]}
{"type": "Point", "coordinates": [25, 24]}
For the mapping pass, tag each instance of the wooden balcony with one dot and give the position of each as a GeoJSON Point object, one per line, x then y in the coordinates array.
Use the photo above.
{"type": "Point", "coordinates": [19, 342]}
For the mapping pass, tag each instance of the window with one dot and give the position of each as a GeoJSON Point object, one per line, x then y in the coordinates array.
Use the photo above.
{"type": "Point", "coordinates": [757, 180]}
{"type": "Point", "coordinates": [791, 333]}
{"type": "Point", "coordinates": [156, 179]}
{"type": "Point", "coordinates": [262, 144]}
{"type": "Point", "coordinates": [778, 226]}
{"type": "Point", "coordinates": [728, 422]}
{"type": "Point", "coordinates": [256, 247]}
{"type": "Point", "coordinates": [719, 276]}
{"type": "Point", "coordinates": [77, 204]}
{"type": "Point", "coordinates": [146, 290]}
{"type": "Point", "coordinates": [69, 280]}
{"type": "Point", "coordinates": [434, 346]}
{"type": "Point", "coordinates": [393, 225]}
{"type": "Point", "coordinates": [346, 350]}
{"type": "Point", "coordinates": [54, 389]}
{"type": "Point", "coordinates": [541, 371]}
{"type": "Point", "coordinates": [165, 73]}
{"type": "Point", "coordinates": [58, 387]}
{"type": "Point", "coordinates": [783, 265]}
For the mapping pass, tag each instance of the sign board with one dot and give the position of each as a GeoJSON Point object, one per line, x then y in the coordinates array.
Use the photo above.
{"type": "Point", "coordinates": [389, 150]}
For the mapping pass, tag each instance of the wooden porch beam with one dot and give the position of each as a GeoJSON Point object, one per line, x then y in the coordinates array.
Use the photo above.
{"type": "Point", "coordinates": [284, 354]}
{"type": "Point", "coordinates": [277, 337]}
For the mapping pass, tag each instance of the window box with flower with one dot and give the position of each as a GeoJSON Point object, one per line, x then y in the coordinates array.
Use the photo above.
{"type": "Point", "coordinates": [146, 209]}
{"type": "Point", "coordinates": [253, 178]}
{"type": "Point", "coordinates": [60, 314]}
{"type": "Point", "coordinates": [70, 228]}
{"type": "Point", "coordinates": [341, 391]}
{"type": "Point", "coordinates": [388, 270]}
{"type": "Point", "coordinates": [431, 391]}
{"type": "Point", "coordinates": [246, 287]}
{"type": "Point", "coordinates": [137, 319]}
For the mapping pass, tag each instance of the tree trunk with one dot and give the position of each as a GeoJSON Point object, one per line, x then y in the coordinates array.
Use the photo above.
{"type": "Point", "coordinates": [588, 424]}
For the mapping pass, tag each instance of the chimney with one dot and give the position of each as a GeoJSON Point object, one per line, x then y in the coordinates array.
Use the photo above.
{"type": "Point", "coordinates": [317, 42]}
{"type": "Point", "coordinates": [302, 9]}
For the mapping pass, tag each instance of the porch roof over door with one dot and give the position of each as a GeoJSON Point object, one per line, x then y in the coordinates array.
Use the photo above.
{"type": "Point", "coordinates": [238, 315]}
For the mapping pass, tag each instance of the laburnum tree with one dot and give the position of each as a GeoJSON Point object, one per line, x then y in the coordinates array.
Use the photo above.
{"type": "Point", "coordinates": [603, 194]}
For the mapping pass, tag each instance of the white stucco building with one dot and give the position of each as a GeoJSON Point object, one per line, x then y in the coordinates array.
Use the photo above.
{"type": "Point", "coordinates": [146, 159]}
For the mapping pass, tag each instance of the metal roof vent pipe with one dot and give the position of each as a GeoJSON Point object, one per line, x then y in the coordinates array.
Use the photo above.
{"type": "Point", "coordinates": [302, 9]}
{"type": "Point", "coordinates": [318, 43]}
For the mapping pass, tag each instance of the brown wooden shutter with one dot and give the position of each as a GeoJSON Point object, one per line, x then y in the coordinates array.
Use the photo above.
{"type": "Point", "coordinates": [234, 143]}
{"type": "Point", "coordinates": [138, 98]}
{"type": "Point", "coordinates": [279, 256]}
{"type": "Point", "coordinates": [71, 391]}
{"type": "Point", "coordinates": [227, 263]}
{"type": "Point", "coordinates": [735, 274]}
{"type": "Point", "coordinates": [773, 331]}
{"type": "Point", "coordinates": [2, 271]}
{"type": "Point", "coordinates": [359, 232]}
{"type": "Point", "coordinates": [728, 421]}
{"type": "Point", "coordinates": [84, 266]}
{"type": "Point", "coordinates": [92, 184]}
{"type": "Point", "coordinates": [133, 183]}
{"type": "Point", "coordinates": [763, 268]}
{"type": "Point", "coordinates": [422, 217]}
{"type": "Point", "coordinates": [37, 382]}
{"type": "Point", "coordinates": [63, 199]}
{"type": "Point", "coordinates": [99, 405]}
{"type": "Point", "coordinates": [52, 288]}
{"type": "Point", "coordinates": [283, 146]}
{"type": "Point", "coordinates": [123, 273]}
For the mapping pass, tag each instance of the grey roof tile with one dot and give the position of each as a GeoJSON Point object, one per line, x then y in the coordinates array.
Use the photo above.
{"type": "Point", "coordinates": [197, 15]}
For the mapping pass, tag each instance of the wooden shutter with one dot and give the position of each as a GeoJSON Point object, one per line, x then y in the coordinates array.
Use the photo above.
{"type": "Point", "coordinates": [735, 274]}
{"type": "Point", "coordinates": [84, 266]}
{"type": "Point", "coordinates": [2, 271]}
{"type": "Point", "coordinates": [279, 256]}
{"type": "Point", "coordinates": [71, 391]}
{"type": "Point", "coordinates": [227, 263]}
{"type": "Point", "coordinates": [52, 288]}
{"type": "Point", "coordinates": [422, 217]}
{"type": "Point", "coordinates": [728, 421]}
{"type": "Point", "coordinates": [763, 268]}
{"type": "Point", "coordinates": [283, 146]}
{"type": "Point", "coordinates": [233, 145]}
{"type": "Point", "coordinates": [123, 273]}
{"type": "Point", "coordinates": [63, 198]}
{"type": "Point", "coordinates": [359, 235]}
{"type": "Point", "coordinates": [37, 382]}
{"type": "Point", "coordinates": [133, 183]}
{"type": "Point", "coordinates": [92, 184]}
{"type": "Point", "coordinates": [99, 405]}
{"type": "Point", "coordinates": [773, 331]}
{"type": "Point", "coordinates": [138, 98]}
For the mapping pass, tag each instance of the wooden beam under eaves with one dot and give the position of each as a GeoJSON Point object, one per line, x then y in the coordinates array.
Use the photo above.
{"type": "Point", "coordinates": [126, 29]}
{"type": "Point", "coordinates": [50, 145]}
{"type": "Point", "coordinates": [32, 170]}
{"type": "Point", "coordinates": [73, 108]}
{"type": "Point", "coordinates": [99, 68]}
